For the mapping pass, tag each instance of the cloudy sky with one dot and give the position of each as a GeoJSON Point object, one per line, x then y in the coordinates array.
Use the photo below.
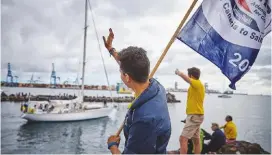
{"type": "Point", "coordinates": [37, 33]}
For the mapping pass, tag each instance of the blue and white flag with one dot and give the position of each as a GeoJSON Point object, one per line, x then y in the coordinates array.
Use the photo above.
{"type": "Point", "coordinates": [229, 33]}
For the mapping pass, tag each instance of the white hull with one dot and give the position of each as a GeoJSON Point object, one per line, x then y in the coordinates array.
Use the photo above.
{"type": "Point", "coordinates": [72, 116]}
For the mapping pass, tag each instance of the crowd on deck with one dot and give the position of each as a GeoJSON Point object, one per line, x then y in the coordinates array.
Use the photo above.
{"type": "Point", "coordinates": [46, 108]}
{"type": "Point", "coordinates": [49, 107]}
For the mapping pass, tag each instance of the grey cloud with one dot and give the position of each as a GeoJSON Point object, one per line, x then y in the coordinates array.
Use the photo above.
{"type": "Point", "coordinates": [264, 74]}
{"type": "Point", "coordinates": [44, 66]}
{"type": "Point", "coordinates": [183, 60]}
{"type": "Point", "coordinates": [37, 33]}
{"type": "Point", "coordinates": [139, 8]}
{"type": "Point", "coordinates": [7, 2]}
{"type": "Point", "coordinates": [36, 68]}
{"type": "Point", "coordinates": [264, 57]}
{"type": "Point", "coordinates": [267, 83]}
{"type": "Point", "coordinates": [261, 83]}
{"type": "Point", "coordinates": [112, 68]}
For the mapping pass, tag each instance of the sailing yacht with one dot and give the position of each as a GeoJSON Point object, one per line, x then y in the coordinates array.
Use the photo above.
{"type": "Point", "coordinates": [71, 110]}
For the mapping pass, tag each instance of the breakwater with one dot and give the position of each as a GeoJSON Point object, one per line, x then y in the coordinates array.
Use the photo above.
{"type": "Point", "coordinates": [21, 97]}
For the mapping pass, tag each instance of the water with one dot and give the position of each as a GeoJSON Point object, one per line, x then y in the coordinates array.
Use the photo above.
{"type": "Point", "coordinates": [252, 115]}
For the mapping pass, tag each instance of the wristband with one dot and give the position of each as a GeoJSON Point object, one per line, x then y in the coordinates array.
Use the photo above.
{"type": "Point", "coordinates": [111, 51]}
{"type": "Point", "coordinates": [111, 144]}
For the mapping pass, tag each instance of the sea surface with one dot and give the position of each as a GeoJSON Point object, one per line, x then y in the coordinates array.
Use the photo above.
{"type": "Point", "coordinates": [252, 115]}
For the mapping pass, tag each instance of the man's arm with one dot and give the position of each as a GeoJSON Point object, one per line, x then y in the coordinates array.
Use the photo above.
{"type": "Point", "coordinates": [222, 127]}
{"type": "Point", "coordinates": [142, 138]}
{"type": "Point", "coordinates": [114, 150]}
{"type": "Point", "coordinates": [183, 76]}
{"type": "Point", "coordinates": [113, 142]}
{"type": "Point", "coordinates": [115, 55]}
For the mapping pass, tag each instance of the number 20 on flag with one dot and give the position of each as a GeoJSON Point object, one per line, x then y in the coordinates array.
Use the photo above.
{"type": "Point", "coordinates": [242, 65]}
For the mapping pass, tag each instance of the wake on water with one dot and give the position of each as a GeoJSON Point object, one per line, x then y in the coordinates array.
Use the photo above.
{"type": "Point", "coordinates": [112, 115]}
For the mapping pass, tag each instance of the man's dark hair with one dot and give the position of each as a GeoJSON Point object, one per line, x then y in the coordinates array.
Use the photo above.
{"type": "Point", "coordinates": [229, 118]}
{"type": "Point", "coordinates": [135, 63]}
{"type": "Point", "coordinates": [195, 72]}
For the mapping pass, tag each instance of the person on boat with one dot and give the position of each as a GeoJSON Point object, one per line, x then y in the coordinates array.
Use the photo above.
{"type": "Point", "coordinates": [22, 108]}
{"type": "Point", "coordinates": [66, 109]}
{"type": "Point", "coordinates": [230, 130]}
{"type": "Point", "coordinates": [147, 127]}
{"type": "Point", "coordinates": [25, 109]}
{"type": "Point", "coordinates": [194, 110]}
{"type": "Point", "coordinates": [51, 108]}
{"type": "Point", "coordinates": [32, 110]}
{"type": "Point", "coordinates": [46, 108]}
{"type": "Point", "coordinates": [105, 103]}
{"type": "Point", "coordinates": [218, 139]}
{"type": "Point", "coordinates": [40, 107]}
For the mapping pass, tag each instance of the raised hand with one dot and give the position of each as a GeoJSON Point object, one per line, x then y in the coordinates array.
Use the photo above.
{"type": "Point", "coordinates": [177, 72]}
{"type": "Point", "coordinates": [108, 45]}
{"type": "Point", "coordinates": [108, 42]}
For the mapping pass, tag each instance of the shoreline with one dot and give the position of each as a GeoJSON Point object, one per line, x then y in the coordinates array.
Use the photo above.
{"type": "Point", "coordinates": [78, 89]}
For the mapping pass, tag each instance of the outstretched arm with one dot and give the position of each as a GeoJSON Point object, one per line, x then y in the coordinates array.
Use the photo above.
{"type": "Point", "coordinates": [108, 45]}
{"type": "Point", "coordinates": [115, 55]}
{"type": "Point", "coordinates": [183, 76]}
{"type": "Point", "coordinates": [222, 127]}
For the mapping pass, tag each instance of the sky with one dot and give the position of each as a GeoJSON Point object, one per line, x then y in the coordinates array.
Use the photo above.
{"type": "Point", "coordinates": [37, 33]}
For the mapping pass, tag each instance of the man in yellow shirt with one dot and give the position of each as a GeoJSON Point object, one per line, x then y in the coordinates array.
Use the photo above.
{"type": "Point", "coordinates": [230, 129]}
{"type": "Point", "coordinates": [194, 110]}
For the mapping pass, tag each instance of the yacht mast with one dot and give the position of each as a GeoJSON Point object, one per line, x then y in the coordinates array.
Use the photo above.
{"type": "Point", "coordinates": [84, 51]}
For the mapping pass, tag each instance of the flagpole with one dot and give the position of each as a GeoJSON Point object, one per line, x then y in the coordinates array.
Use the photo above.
{"type": "Point", "coordinates": [165, 51]}
{"type": "Point", "coordinates": [173, 38]}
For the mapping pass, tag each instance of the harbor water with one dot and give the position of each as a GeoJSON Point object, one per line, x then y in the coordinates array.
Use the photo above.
{"type": "Point", "coordinates": [252, 115]}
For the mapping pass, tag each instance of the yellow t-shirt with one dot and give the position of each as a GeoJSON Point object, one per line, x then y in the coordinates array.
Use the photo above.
{"type": "Point", "coordinates": [230, 130]}
{"type": "Point", "coordinates": [31, 110]}
{"type": "Point", "coordinates": [195, 98]}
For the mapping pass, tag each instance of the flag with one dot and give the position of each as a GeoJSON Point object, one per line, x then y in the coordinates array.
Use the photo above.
{"type": "Point", "coordinates": [229, 33]}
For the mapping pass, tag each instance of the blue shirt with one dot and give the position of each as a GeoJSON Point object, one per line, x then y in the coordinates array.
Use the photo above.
{"type": "Point", "coordinates": [147, 126]}
{"type": "Point", "coordinates": [218, 139]}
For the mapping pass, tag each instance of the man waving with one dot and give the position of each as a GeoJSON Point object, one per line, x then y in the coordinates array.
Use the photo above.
{"type": "Point", "coordinates": [194, 110]}
{"type": "Point", "coordinates": [147, 126]}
